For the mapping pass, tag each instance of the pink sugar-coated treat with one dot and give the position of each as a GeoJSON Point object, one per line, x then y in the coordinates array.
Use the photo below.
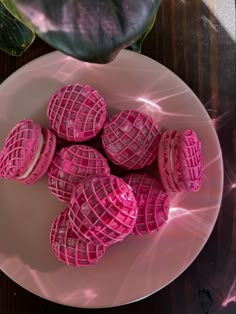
{"type": "Point", "coordinates": [130, 139]}
{"type": "Point", "coordinates": [45, 158]}
{"type": "Point", "coordinates": [71, 165]}
{"type": "Point", "coordinates": [27, 152]}
{"type": "Point", "coordinates": [180, 161]}
{"type": "Point", "coordinates": [103, 210]}
{"type": "Point", "coordinates": [19, 149]}
{"type": "Point", "coordinates": [152, 202]}
{"type": "Point", "coordinates": [76, 113]}
{"type": "Point", "coordinates": [71, 249]}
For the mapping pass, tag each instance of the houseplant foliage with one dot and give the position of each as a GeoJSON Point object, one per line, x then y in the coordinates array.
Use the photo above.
{"type": "Point", "coordinates": [16, 33]}
{"type": "Point", "coordinates": [89, 30]}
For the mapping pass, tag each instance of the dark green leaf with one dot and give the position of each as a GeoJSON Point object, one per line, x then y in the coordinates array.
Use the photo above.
{"type": "Point", "coordinates": [138, 44]}
{"type": "Point", "coordinates": [15, 37]}
{"type": "Point", "coordinates": [11, 7]}
{"type": "Point", "coordinates": [90, 30]}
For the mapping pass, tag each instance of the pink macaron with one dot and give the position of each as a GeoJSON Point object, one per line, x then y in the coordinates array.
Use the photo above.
{"type": "Point", "coordinates": [130, 139]}
{"type": "Point", "coordinates": [71, 165]}
{"type": "Point", "coordinates": [180, 161]}
{"type": "Point", "coordinates": [103, 210]}
{"type": "Point", "coordinates": [152, 201]}
{"type": "Point", "coordinates": [27, 152]}
{"type": "Point", "coordinates": [69, 247]}
{"type": "Point", "coordinates": [76, 113]}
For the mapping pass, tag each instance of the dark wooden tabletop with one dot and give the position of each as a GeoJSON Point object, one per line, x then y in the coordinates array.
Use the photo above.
{"type": "Point", "coordinates": [196, 40]}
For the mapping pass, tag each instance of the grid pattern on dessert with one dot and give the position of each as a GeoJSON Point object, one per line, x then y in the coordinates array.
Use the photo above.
{"type": "Point", "coordinates": [73, 164]}
{"type": "Point", "coordinates": [187, 153]}
{"type": "Point", "coordinates": [166, 161]}
{"type": "Point", "coordinates": [20, 148]}
{"type": "Point", "coordinates": [103, 209]}
{"type": "Point", "coordinates": [43, 164]}
{"type": "Point", "coordinates": [69, 247]}
{"type": "Point", "coordinates": [131, 139]}
{"type": "Point", "coordinates": [152, 202]}
{"type": "Point", "coordinates": [77, 112]}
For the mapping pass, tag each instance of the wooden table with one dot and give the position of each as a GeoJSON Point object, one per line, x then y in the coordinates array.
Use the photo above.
{"type": "Point", "coordinates": [194, 40]}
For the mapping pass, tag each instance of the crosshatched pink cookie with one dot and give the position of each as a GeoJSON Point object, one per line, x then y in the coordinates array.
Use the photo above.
{"type": "Point", "coordinates": [76, 113]}
{"type": "Point", "coordinates": [103, 209]}
{"type": "Point", "coordinates": [45, 158]}
{"type": "Point", "coordinates": [71, 165]}
{"type": "Point", "coordinates": [152, 202]}
{"type": "Point", "coordinates": [71, 249]}
{"type": "Point", "coordinates": [27, 152]}
{"type": "Point", "coordinates": [130, 139]}
{"type": "Point", "coordinates": [180, 161]}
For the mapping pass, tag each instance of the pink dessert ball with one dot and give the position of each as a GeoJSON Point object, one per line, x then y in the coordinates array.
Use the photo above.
{"type": "Point", "coordinates": [27, 153]}
{"type": "Point", "coordinates": [69, 247]}
{"type": "Point", "coordinates": [130, 139]}
{"type": "Point", "coordinates": [76, 113]}
{"type": "Point", "coordinates": [180, 161]}
{"type": "Point", "coordinates": [71, 165]}
{"type": "Point", "coordinates": [152, 202]}
{"type": "Point", "coordinates": [103, 209]}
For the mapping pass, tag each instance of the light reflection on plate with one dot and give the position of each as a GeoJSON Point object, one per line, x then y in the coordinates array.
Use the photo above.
{"type": "Point", "coordinates": [138, 266]}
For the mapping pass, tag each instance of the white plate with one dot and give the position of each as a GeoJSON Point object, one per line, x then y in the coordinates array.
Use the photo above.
{"type": "Point", "coordinates": [138, 266]}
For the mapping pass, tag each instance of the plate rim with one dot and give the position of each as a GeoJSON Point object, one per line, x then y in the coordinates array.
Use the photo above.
{"type": "Point", "coordinates": [221, 168]}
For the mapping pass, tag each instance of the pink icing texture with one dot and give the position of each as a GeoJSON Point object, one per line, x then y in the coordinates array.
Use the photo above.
{"type": "Point", "coordinates": [131, 139]}
{"type": "Point", "coordinates": [71, 165]}
{"type": "Point", "coordinates": [76, 113]}
{"type": "Point", "coordinates": [180, 161]}
{"type": "Point", "coordinates": [152, 202]}
{"type": "Point", "coordinates": [44, 160]}
{"type": "Point", "coordinates": [19, 149]}
{"type": "Point", "coordinates": [103, 209]}
{"type": "Point", "coordinates": [69, 247]}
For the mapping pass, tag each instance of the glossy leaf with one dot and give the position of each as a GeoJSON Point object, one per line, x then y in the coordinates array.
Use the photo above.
{"type": "Point", "coordinates": [138, 44]}
{"type": "Point", "coordinates": [11, 7]}
{"type": "Point", "coordinates": [15, 36]}
{"type": "Point", "coordinates": [90, 30]}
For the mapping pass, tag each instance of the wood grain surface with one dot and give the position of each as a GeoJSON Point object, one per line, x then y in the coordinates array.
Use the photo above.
{"type": "Point", "coordinates": [189, 39]}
